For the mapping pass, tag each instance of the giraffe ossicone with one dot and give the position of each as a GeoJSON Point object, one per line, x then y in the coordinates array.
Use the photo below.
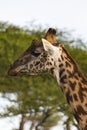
{"type": "Point", "coordinates": [54, 59]}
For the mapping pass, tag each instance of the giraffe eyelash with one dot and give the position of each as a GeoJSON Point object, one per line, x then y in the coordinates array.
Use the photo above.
{"type": "Point", "coordinates": [36, 53]}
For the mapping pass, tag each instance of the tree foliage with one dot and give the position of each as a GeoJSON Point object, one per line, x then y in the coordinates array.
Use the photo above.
{"type": "Point", "coordinates": [36, 99]}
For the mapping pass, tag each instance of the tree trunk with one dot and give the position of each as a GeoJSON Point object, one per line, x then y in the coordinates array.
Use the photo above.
{"type": "Point", "coordinates": [23, 120]}
{"type": "Point", "coordinates": [67, 127]}
{"type": "Point", "coordinates": [33, 122]}
{"type": "Point", "coordinates": [32, 125]}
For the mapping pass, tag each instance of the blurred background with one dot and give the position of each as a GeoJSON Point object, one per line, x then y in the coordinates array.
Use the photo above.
{"type": "Point", "coordinates": [35, 103]}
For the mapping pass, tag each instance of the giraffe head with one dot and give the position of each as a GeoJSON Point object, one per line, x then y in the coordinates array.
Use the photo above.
{"type": "Point", "coordinates": [38, 58]}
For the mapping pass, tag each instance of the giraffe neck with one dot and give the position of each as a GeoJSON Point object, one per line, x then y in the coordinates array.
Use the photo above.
{"type": "Point", "coordinates": [74, 87]}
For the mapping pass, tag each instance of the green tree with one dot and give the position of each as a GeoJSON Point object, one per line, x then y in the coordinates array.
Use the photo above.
{"type": "Point", "coordinates": [36, 99]}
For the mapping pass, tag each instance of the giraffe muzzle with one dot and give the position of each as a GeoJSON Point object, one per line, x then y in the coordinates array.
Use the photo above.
{"type": "Point", "coordinates": [12, 73]}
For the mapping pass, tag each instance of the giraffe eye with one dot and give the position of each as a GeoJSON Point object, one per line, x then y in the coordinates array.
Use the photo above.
{"type": "Point", "coordinates": [36, 53]}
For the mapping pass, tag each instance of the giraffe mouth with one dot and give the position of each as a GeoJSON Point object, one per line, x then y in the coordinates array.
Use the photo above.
{"type": "Point", "coordinates": [16, 72]}
{"type": "Point", "coordinates": [12, 72]}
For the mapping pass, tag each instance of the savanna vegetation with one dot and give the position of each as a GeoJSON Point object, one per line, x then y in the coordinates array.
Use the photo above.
{"type": "Point", "coordinates": [37, 99]}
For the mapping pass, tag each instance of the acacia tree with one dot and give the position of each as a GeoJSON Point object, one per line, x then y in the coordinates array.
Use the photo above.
{"type": "Point", "coordinates": [36, 99]}
{"type": "Point", "coordinates": [29, 97]}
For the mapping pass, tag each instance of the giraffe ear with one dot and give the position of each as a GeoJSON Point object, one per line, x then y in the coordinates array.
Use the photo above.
{"type": "Point", "coordinates": [47, 46]}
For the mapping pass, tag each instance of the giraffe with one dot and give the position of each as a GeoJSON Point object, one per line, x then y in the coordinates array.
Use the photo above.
{"type": "Point", "coordinates": [33, 51]}
{"type": "Point", "coordinates": [54, 59]}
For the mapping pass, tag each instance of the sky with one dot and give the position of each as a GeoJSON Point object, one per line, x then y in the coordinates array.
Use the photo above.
{"type": "Point", "coordinates": [69, 14]}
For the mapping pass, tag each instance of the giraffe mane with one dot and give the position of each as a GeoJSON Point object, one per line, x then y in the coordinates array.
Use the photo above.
{"type": "Point", "coordinates": [75, 64]}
